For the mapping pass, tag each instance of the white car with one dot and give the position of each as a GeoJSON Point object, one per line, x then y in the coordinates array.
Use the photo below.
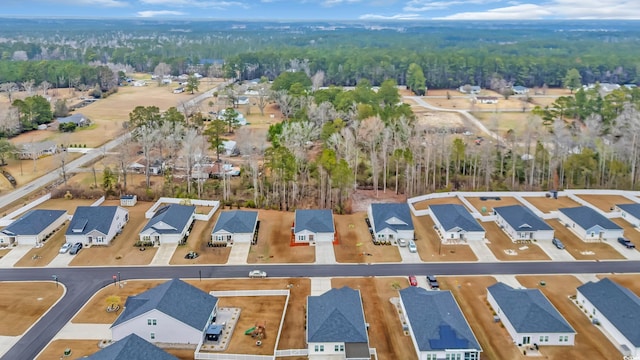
{"type": "Point", "coordinates": [257, 274]}
{"type": "Point", "coordinates": [65, 248]}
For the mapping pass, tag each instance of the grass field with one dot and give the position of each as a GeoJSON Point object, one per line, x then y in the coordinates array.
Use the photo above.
{"type": "Point", "coordinates": [506, 250]}
{"type": "Point", "coordinates": [23, 303]}
{"type": "Point", "coordinates": [274, 239]}
{"type": "Point", "coordinates": [355, 244]}
{"type": "Point", "coordinates": [547, 205]}
{"type": "Point", "coordinates": [431, 248]}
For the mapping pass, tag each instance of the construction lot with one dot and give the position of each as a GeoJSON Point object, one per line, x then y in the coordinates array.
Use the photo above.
{"type": "Point", "coordinates": [355, 243]}
{"type": "Point", "coordinates": [506, 250]}
{"type": "Point", "coordinates": [581, 250]}
{"type": "Point", "coordinates": [274, 241]}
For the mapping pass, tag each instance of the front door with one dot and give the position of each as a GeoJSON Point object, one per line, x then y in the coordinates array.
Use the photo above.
{"type": "Point", "coordinates": [526, 340]}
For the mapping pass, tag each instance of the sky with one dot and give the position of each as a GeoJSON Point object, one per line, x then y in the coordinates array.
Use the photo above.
{"type": "Point", "coordinates": [327, 9]}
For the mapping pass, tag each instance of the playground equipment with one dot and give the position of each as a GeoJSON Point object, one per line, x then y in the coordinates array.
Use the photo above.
{"type": "Point", "coordinates": [258, 332]}
{"type": "Point", "coordinates": [250, 331]}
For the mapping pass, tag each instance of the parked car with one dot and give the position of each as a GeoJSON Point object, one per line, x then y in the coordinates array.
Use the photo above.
{"type": "Point", "coordinates": [412, 280]}
{"type": "Point", "coordinates": [558, 243]}
{"type": "Point", "coordinates": [402, 242]}
{"type": "Point", "coordinates": [626, 242]}
{"type": "Point", "coordinates": [75, 248]}
{"type": "Point", "coordinates": [433, 282]}
{"type": "Point", "coordinates": [257, 274]}
{"type": "Point", "coordinates": [65, 248]}
{"type": "Point", "coordinates": [412, 246]}
{"type": "Point", "coordinates": [191, 255]}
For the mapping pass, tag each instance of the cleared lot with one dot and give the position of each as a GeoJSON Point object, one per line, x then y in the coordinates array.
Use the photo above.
{"type": "Point", "coordinates": [355, 244]}
{"type": "Point", "coordinates": [490, 203]}
{"type": "Point", "coordinates": [422, 205]}
{"type": "Point", "coordinates": [547, 205]}
{"type": "Point", "coordinates": [274, 239]}
{"type": "Point", "coordinates": [431, 248]}
{"type": "Point", "coordinates": [582, 250]}
{"type": "Point", "coordinates": [23, 303]}
{"type": "Point", "coordinates": [605, 202]}
{"type": "Point", "coordinates": [505, 249]}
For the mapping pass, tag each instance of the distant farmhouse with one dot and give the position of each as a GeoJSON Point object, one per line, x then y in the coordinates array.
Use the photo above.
{"type": "Point", "coordinates": [78, 119]}
{"type": "Point", "coordinates": [36, 150]}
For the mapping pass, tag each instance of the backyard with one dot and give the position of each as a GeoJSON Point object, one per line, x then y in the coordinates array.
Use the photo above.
{"type": "Point", "coordinates": [549, 204]}
{"type": "Point", "coordinates": [430, 246]}
{"type": "Point", "coordinates": [274, 239]}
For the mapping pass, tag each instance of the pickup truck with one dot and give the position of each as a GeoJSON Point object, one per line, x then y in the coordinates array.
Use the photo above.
{"type": "Point", "coordinates": [626, 242]}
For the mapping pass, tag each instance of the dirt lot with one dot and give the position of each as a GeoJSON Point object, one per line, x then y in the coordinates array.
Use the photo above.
{"type": "Point", "coordinates": [605, 202]}
{"type": "Point", "coordinates": [436, 119]}
{"type": "Point", "coordinates": [629, 232]}
{"type": "Point", "coordinates": [423, 205]}
{"type": "Point", "coordinates": [547, 205]}
{"type": "Point", "coordinates": [121, 250]}
{"type": "Point", "coordinates": [23, 303]}
{"type": "Point", "coordinates": [198, 238]}
{"type": "Point", "coordinates": [590, 343]}
{"type": "Point", "coordinates": [582, 250]}
{"type": "Point", "coordinates": [385, 330]}
{"type": "Point", "coordinates": [430, 246]}
{"type": "Point", "coordinates": [500, 241]}
{"type": "Point", "coordinates": [355, 242]}
{"type": "Point", "coordinates": [490, 204]}
{"type": "Point", "coordinates": [274, 239]}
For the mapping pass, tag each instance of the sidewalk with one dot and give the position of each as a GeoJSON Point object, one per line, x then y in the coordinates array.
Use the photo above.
{"type": "Point", "coordinates": [84, 331]}
{"type": "Point", "coordinates": [164, 254]}
{"type": "Point", "coordinates": [7, 342]}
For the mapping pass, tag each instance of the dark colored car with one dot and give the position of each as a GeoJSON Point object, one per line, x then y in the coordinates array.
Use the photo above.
{"type": "Point", "coordinates": [75, 248]}
{"type": "Point", "coordinates": [626, 242]}
{"type": "Point", "coordinates": [558, 243]}
{"type": "Point", "coordinates": [433, 282]}
{"type": "Point", "coordinates": [191, 255]}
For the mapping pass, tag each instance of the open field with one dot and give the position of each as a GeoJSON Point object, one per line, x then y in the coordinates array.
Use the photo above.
{"type": "Point", "coordinates": [24, 171]}
{"type": "Point", "coordinates": [590, 343]}
{"type": "Point", "coordinates": [355, 244]}
{"type": "Point", "coordinates": [506, 250]}
{"type": "Point", "coordinates": [581, 250]}
{"type": "Point", "coordinates": [423, 205]}
{"type": "Point", "coordinates": [23, 303]}
{"type": "Point", "coordinates": [197, 241]}
{"type": "Point", "coordinates": [274, 239]}
{"type": "Point", "coordinates": [435, 119]}
{"type": "Point", "coordinates": [490, 204]}
{"type": "Point", "coordinates": [121, 250]}
{"type": "Point", "coordinates": [547, 205]}
{"type": "Point", "coordinates": [385, 330]}
{"type": "Point", "coordinates": [471, 294]}
{"type": "Point", "coordinates": [605, 202]}
{"type": "Point", "coordinates": [431, 248]}
{"type": "Point", "coordinates": [501, 122]}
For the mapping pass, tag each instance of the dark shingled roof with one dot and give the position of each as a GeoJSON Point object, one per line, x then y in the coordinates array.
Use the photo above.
{"type": "Point", "coordinates": [587, 218]}
{"type": "Point", "coordinates": [131, 347]}
{"type": "Point", "coordinates": [393, 216]}
{"type": "Point", "coordinates": [528, 310]}
{"type": "Point", "coordinates": [236, 221]}
{"type": "Point", "coordinates": [33, 222]}
{"type": "Point", "coordinates": [317, 221]}
{"type": "Point", "coordinates": [436, 320]}
{"type": "Point", "coordinates": [174, 218]}
{"type": "Point", "coordinates": [618, 304]}
{"type": "Point", "coordinates": [336, 316]}
{"type": "Point", "coordinates": [177, 299]}
{"type": "Point", "coordinates": [89, 218]}
{"type": "Point", "coordinates": [521, 218]}
{"type": "Point", "coordinates": [451, 216]}
{"type": "Point", "coordinates": [633, 209]}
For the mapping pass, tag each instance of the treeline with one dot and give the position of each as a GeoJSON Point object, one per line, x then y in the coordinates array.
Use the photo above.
{"type": "Point", "coordinates": [58, 74]}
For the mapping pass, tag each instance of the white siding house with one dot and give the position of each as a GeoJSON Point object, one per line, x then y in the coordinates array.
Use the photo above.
{"type": "Point", "coordinates": [169, 225]}
{"type": "Point", "coordinates": [617, 309]}
{"type": "Point", "coordinates": [235, 226]}
{"type": "Point", "coordinates": [529, 316]}
{"type": "Point", "coordinates": [589, 225]}
{"type": "Point", "coordinates": [631, 213]}
{"type": "Point", "coordinates": [520, 223]}
{"type": "Point", "coordinates": [96, 225]}
{"type": "Point", "coordinates": [311, 226]}
{"type": "Point", "coordinates": [391, 221]}
{"type": "Point", "coordinates": [33, 227]}
{"type": "Point", "coordinates": [454, 222]}
{"type": "Point", "coordinates": [131, 347]}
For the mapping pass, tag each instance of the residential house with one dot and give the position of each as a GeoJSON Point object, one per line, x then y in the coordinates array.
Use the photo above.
{"type": "Point", "coordinates": [169, 225]}
{"type": "Point", "coordinates": [520, 223]}
{"type": "Point", "coordinates": [235, 226]}
{"type": "Point", "coordinates": [178, 90]}
{"type": "Point", "coordinates": [242, 100]}
{"type": "Point", "coordinates": [128, 200]}
{"type": "Point", "coordinates": [77, 118]}
{"type": "Point", "coordinates": [314, 225]}
{"type": "Point", "coordinates": [36, 150]}
{"type": "Point", "coordinates": [437, 326]}
{"type": "Point", "coordinates": [391, 221]}
{"type": "Point", "coordinates": [616, 309]}
{"type": "Point", "coordinates": [173, 312]}
{"type": "Point", "coordinates": [589, 225]}
{"type": "Point", "coordinates": [454, 222]}
{"type": "Point", "coordinates": [230, 148]}
{"type": "Point", "coordinates": [520, 90]}
{"type": "Point", "coordinates": [631, 213]}
{"type": "Point", "coordinates": [131, 347]}
{"type": "Point", "coordinates": [96, 225]}
{"type": "Point", "coordinates": [33, 227]}
{"type": "Point", "coordinates": [336, 328]}
{"type": "Point", "coordinates": [470, 89]}
{"type": "Point", "coordinates": [487, 99]}
{"type": "Point", "coordinates": [529, 316]}
{"type": "Point", "coordinates": [139, 83]}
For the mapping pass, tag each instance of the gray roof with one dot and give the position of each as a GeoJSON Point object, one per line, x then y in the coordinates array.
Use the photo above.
{"type": "Point", "coordinates": [521, 218]}
{"type": "Point", "coordinates": [587, 218]}
{"type": "Point", "coordinates": [528, 310]}
{"type": "Point", "coordinates": [33, 222]}
{"type": "Point", "coordinates": [317, 221]}
{"type": "Point", "coordinates": [236, 221]}
{"type": "Point", "coordinates": [174, 218]}
{"type": "Point", "coordinates": [451, 216]}
{"type": "Point", "coordinates": [131, 347]}
{"type": "Point", "coordinates": [89, 218]}
{"type": "Point", "coordinates": [36, 146]}
{"type": "Point", "coordinates": [618, 304]}
{"type": "Point", "coordinates": [175, 298]}
{"type": "Point", "coordinates": [436, 320]}
{"type": "Point", "coordinates": [75, 118]}
{"type": "Point", "coordinates": [336, 316]}
{"type": "Point", "coordinates": [387, 216]}
{"type": "Point", "coordinates": [633, 209]}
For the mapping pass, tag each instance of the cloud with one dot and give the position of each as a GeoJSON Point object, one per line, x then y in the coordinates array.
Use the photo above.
{"type": "Point", "coordinates": [518, 12]}
{"type": "Point", "coordinates": [100, 3]}
{"type": "Point", "coordinates": [390, 17]}
{"type": "Point", "coordinates": [154, 13]}
{"type": "Point", "coordinates": [329, 3]}
{"type": "Point", "coordinates": [426, 5]}
{"type": "Point", "coordinates": [196, 3]}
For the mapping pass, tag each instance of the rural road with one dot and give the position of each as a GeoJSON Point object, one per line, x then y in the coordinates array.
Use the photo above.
{"type": "Point", "coordinates": [82, 283]}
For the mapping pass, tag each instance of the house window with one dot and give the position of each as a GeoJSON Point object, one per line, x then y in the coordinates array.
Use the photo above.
{"type": "Point", "coordinates": [321, 348]}
{"type": "Point", "coordinates": [301, 238]}
{"type": "Point", "coordinates": [593, 234]}
{"type": "Point", "coordinates": [315, 348]}
{"type": "Point", "coordinates": [452, 236]}
{"type": "Point", "coordinates": [544, 338]}
{"type": "Point", "coordinates": [431, 356]}
{"type": "Point", "coordinates": [341, 348]}
{"type": "Point", "coordinates": [146, 238]}
{"type": "Point", "coordinates": [152, 336]}
{"type": "Point", "coordinates": [593, 311]}
{"type": "Point", "coordinates": [453, 357]}
{"type": "Point", "coordinates": [152, 322]}
{"type": "Point", "coordinates": [471, 356]}
{"type": "Point", "coordinates": [220, 237]}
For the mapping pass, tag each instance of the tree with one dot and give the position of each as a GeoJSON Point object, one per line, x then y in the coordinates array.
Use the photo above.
{"type": "Point", "coordinates": [6, 149]}
{"type": "Point", "coordinates": [160, 71]}
{"type": "Point", "coordinates": [572, 79]}
{"type": "Point", "coordinates": [415, 79]}
{"type": "Point", "coordinates": [287, 79]}
{"type": "Point", "coordinates": [214, 132]}
{"type": "Point", "coordinates": [108, 180]}
{"type": "Point", "coordinates": [262, 99]}
{"type": "Point", "coordinates": [192, 83]}
{"type": "Point", "coordinates": [113, 302]}
{"type": "Point", "coordinates": [34, 110]}
{"type": "Point", "coordinates": [60, 108]}
{"type": "Point", "coordinates": [230, 117]}
{"type": "Point", "coordinates": [388, 93]}
{"type": "Point", "coordinates": [9, 88]}
{"type": "Point", "coordinates": [67, 127]}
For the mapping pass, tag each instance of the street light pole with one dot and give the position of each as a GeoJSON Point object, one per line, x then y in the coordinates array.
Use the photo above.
{"type": "Point", "coordinates": [55, 277]}
{"type": "Point", "coordinates": [119, 283]}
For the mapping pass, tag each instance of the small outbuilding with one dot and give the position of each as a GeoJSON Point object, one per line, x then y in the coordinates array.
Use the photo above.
{"type": "Point", "coordinates": [128, 200]}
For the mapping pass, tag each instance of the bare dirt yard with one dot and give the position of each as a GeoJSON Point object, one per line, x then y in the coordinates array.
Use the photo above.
{"type": "Point", "coordinates": [385, 330]}
{"type": "Point", "coordinates": [121, 250]}
{"type": "Point", "coordinates": [630, 233]}
{"type": "Point", "coordinates": [23, 303]}
{"type": "Point", "coordinates": [581, 250]}
{"type": "Point", "coordinates": [590, 343]}
{"type": "Point", "coordinates": [453, 199]}
{"type": "Point", "coordinates": [79, 349]}
{"type": "Point", "coordinates": [274, 239]}
{"type": "Point", "coordinates": [197, 241]}
{"type": "Point", "coordinates": [356, 246]}
{"type": "Point", "coordinates": [506, 250]}
{"type": "Point", "coordinates": [605, 202]}
{"type": "Point", "coordinates": [431, 248]}
{"type": "Point", "coordinates": [490, 203]}
{"type": "Point", "coordinates": [546, 205]}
